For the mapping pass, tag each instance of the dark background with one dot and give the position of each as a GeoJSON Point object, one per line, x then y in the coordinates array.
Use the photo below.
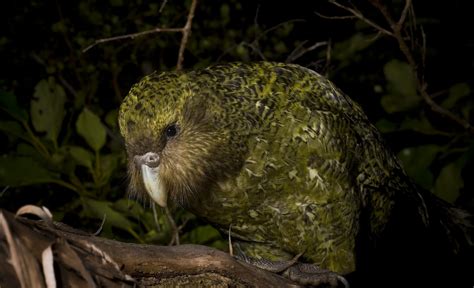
{"type": "Point", "coordinates": [61, 145]}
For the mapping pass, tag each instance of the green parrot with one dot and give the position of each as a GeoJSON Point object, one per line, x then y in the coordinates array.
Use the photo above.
{"type": "Point", "coordinates": [278, 157]}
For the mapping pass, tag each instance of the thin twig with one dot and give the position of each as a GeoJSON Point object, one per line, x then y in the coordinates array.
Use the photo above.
{"type": "Point", "coordinates": [261, 35]}
{"type": "Point", "coordinates": [155, 217]}
{"type": "Point", "coordinates": [401, 21]}
{"type": "Point", "coordinates": [186, 30]}
{"type": "Point", "coordinates": [131, 36]}
{"type": "Point", "coordinates": [254, 45]}
{"type": "Point", "coordinates": [328, 58]}
{"type": "Point", "coordinates": [299, 51]}
{"type": "Point", "coordinates": [35, 141]}
{"type": "Point", "coordinates": [335, 17]}
{"type": "Point", "coordinates": [115, 82]}
{"type": "Point", "coordinates": [64, 184]}
{"type": "Point", "coordinates": [162, 6]}
{"type": "Point", "coordinates": [4, 190]}
{"type": "Point", "coordinates": [254, 48]}
{"type": "Point", "coordinates": [439, 93]}
{"type": "Point", "coordinates": [297, 48]}
{"type": "Point", "coordinates": [67, 85]}
{"type": "Point", "coordinates": [101, 227]}
{"type": "Point", "coordinates": [421, 84]}
{"type": "Point", "coordinates": [360, 16]}
{"type": "Point", "coordinates": [74, 60]}
{"type": "Point", "coordinates": [397, 27]}
{"type": "Point", "coordinates": [231, 249]}
{"type": "Point", "coordinates": [423, 52]}
{"type": "Point", "coordinates": [174, 228]}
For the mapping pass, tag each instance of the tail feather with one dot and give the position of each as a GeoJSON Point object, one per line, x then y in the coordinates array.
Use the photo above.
{"type": "Point", "coordinates": [455, 223]}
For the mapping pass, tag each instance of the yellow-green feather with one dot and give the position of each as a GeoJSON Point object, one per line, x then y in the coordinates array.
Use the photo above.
{"type": "Point", "coordinates": [293, 162]}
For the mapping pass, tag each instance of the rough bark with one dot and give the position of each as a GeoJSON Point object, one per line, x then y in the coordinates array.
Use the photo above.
{"type": "Point", "coordinates": [80, 260]}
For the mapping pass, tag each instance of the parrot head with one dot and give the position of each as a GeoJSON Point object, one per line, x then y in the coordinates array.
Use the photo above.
{"type": "Point", "coordinates": [176, 149]}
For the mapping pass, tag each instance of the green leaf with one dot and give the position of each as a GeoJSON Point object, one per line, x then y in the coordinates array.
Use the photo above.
{"type": "Point", "coordinates": [417, 161]}
{"type": "Point", "coordinates": [116, 3]}
{"type": "Point", "coordinates": [111, 118]}
{"type": "Point", "coordinates": [20, 171]}
{"type": "Point", "coordinates": [62, 162]}
{"type": "Point", "coordinates": [420, 124]}
{"type": "Point", "coordinates": [449, 182]}
{"type": "Point", "coordinates": [129, 207]}
{"type": "Point", "coordinates": [134, 210]}
{"type": "Point", "coordinates": [59, 27]}
{"type": "Point", "coordinates": [401, 85]}
{"type": "Point", "coordinates": [8, 102]}
{"type": "Point", "coordinates": [57, 159]}
{"type": "Point", "coordinates": [345, 51]}
{"type": "Point", "coordinates": [456, 92]}
{"type": "Point", "coordinates": [284, 31]}
{"type": "Point", "coordinates": [13, 128]}
{"type": "Point", "coordinates": [242, 52]}
{"type": "Point", "coordinates": [24, 149]}
{"type": "Point", "coordinates": [81, 156]}
{"type": "Point", "coordinates": [386, 126]}
{"type": "Point", "coordinates": [97, 209]}
{"type": "Point", "coordinates": [203, 234]}
{"type": "Point", "coordinates": [108, 165]}
{"type": "Point", "coordinates": [90, 127]}
{"type": "Point", "coordinates": [47, 108]}
{"type": "Point", "coordinates": [225, 13]}
{"type": "Point", "coordinates": [79, 99]}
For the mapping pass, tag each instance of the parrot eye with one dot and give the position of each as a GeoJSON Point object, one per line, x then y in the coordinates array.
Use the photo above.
{"type": "Point", "coordinates": [171, 131]}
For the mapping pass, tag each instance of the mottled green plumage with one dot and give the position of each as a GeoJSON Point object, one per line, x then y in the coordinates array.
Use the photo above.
{"type": "Point", "coordinates": [273, 150]}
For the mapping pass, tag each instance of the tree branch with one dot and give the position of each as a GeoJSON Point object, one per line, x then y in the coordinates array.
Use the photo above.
{"type": "Point", "coordinates": [335, 17]}
{"type": "Point", "coordinates": [360, 16]}
{"type": "Point", "coordinates": [396, 32]}
{"type": "Point", "coordinates": [83, 260]}
{"type": "Point", "coordinates": [131, 36]}
{"type": "Point", "coordinates": [300, 50]}
{"type": "Point", "coordinates": [185, 30]}
{"type": "Point", "coordinates": [403, 17]}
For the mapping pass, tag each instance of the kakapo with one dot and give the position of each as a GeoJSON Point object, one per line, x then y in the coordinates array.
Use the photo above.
{"type": "Point", "coordinates": [281, 156]}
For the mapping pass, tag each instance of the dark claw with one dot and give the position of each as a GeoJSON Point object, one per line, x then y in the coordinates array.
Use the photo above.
{"type": "Point", "coordinates": [309, 274]}
{"type": "Point", "coordinates": [343, 281]}
{"type": "Point", "coordinates": [268, 265]}
{"type": "Point", "coordinates": [302, 273]}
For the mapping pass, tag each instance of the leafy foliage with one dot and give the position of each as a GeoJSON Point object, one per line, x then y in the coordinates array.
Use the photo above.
{"type": "Point", "coordinates": [90, 127]}
{"type": "Point", "coordinates": [401, 87]}
{"type": "Point", "coordinates": [62, 146]}
{"type": "Point", "coordinates": [47, 108]}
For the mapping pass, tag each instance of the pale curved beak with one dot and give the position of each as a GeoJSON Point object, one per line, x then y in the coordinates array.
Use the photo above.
{"type": "Point", "coordinates": [149, 165]}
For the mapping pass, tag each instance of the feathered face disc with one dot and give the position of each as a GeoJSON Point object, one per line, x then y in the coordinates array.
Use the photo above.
{"type": "Point", "coordinates": [176, 144]}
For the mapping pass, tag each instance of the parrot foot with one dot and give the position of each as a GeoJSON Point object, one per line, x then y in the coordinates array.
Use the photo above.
{"type": "Point", "coordinates": [312, 275]}
{"type": "Point", "coordinates": [302, 273]}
